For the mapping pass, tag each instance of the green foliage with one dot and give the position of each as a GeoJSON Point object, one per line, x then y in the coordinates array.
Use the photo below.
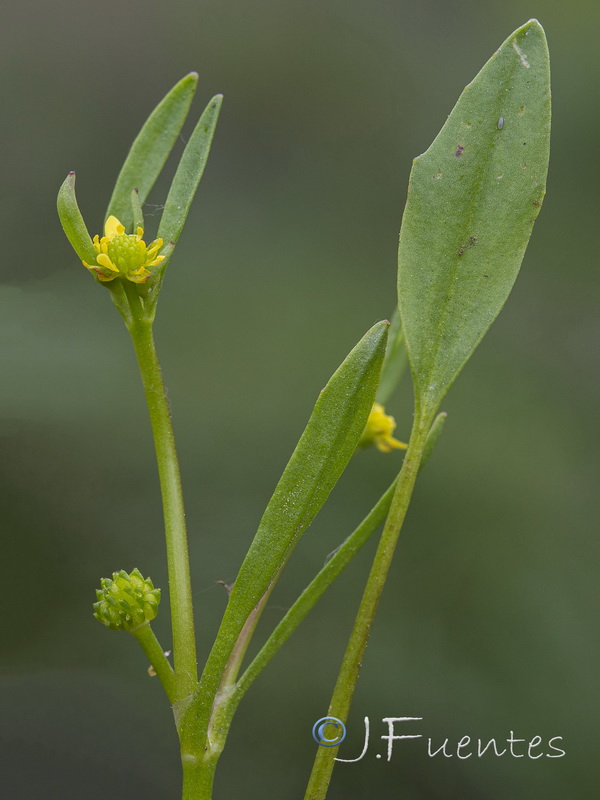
{"type": "Point", "coordinates": [136, 210]}
{"type": "Point", "coordinates": [394, 362]}
{"type": "Point", "coordinates": [433, 437]}
{"type": "Point", "coordinates": [151, 149]}
{"type": "Point", "coordinates": [472, 200]}
{"type": "Point", "coordinates": [72, 221]}
{"type": "Point", "coordinates": [323, 452]}
{"type": "Point", "coordinates": [189, 172]}
{"type": "Point", "coordinates": [142, 166]}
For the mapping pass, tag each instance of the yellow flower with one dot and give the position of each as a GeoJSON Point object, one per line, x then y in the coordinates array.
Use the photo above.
{"type": "Point", "coordinates": [378, 431]}
{"type": "Point", "coordinates": [123, 255]}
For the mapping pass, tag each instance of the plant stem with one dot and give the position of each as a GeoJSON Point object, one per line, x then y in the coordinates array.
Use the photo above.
{"type": "Point", "coordinates": [180, 591]}
{"type": "Point", "coordinates": [348, 676]}
{"type": "Point", "coordinates": [156, 656]}
{"type": "Point", "coordinates": [198, 778]}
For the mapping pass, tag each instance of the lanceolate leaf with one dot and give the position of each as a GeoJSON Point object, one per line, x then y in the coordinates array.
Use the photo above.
{"type": "Point", "coordinates": [151, 149]}
{"type": "Point", "coordinates": [189, 172]}
{"type": "Point", "coordinates": [72, 221]}
{"type": "Point", "coordinates": [394, 362]}
{"type": "Point", "coordinates": [473, 198]}
{"type": "Point", "coordinates": [323, 452]}
{"type": "Point", "coordinates": [336, 563]}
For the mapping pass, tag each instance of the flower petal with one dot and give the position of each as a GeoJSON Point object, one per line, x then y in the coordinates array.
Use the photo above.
{"type": "Point", "coordinates": [105, 262]}
{"type": "Point", "coordinates": [112, 227]}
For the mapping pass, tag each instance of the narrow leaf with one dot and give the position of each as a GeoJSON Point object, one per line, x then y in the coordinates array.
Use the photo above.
{"type": "Point", "coordinates": [433, 437]}
{"type": "Point", "coordinates": [336, 563]}
{"type": "Point", "coordinates": [136, 210]}
{"type": "Point", "coordinates": [334, 566]}
{"type": "Point", "coordinates": [394, 362]}
{"type": "Point", "coordinates": [472, 200]}
{"type": "Point", "coordinates": [72, 221]}
{"type": "Point", "coordinates": [189, 172]}
{"type": "Point", "coordinates": [151, 149]}
{"type": "Point", "coordinates": [323, 452]}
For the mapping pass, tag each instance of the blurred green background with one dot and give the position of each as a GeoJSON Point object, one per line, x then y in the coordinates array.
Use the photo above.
{"type": "Point", "coordinates": [488, 623]}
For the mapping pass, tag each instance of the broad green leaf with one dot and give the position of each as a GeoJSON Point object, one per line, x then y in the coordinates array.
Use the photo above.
{"type": "Point", "coordinates": [394, 362]}
{"type": "Point", "coordinates": [151, 149]}
{"type": "Point", "coordinates": [472, 200]}
{"type": "Point", "coordinates": [72, 221]}
{"type": "Point", "coordinates": [323, 452]}
{"type": "Point", "coordinates": [189, 172]}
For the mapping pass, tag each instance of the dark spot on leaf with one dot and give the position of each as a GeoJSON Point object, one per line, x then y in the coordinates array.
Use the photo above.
{"type": "Point", "coordinates": [459, 151]}
{"type": "Point", "coordinates": [472, 241]}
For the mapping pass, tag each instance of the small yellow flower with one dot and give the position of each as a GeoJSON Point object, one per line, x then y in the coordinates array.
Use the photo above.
{"type": "Point", "coordinates": [378, 431]}
{"type": "Point", "coordinates": [123, 255]}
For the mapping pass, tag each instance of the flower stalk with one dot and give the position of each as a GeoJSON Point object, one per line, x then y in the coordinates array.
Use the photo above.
{"type": "Point", "coordinates": [180, 590]}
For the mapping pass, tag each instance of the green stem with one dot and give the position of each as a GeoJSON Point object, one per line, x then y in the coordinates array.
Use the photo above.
{"type": "Point", "coordinates": [156, 656]}
{"type": "Point", "coordinates": [180, 591]}
{"type": "Point", "coordinates": [348, 676]}
{"type": "Point", "coordinates": [198, 778]}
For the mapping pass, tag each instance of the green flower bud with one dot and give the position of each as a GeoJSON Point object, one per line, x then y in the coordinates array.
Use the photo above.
{"type": "Point", "coordinates": [126, 601]}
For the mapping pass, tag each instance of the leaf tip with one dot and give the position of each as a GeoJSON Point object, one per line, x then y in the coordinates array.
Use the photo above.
{"type": "Point", "coordinates": [531, 25]}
